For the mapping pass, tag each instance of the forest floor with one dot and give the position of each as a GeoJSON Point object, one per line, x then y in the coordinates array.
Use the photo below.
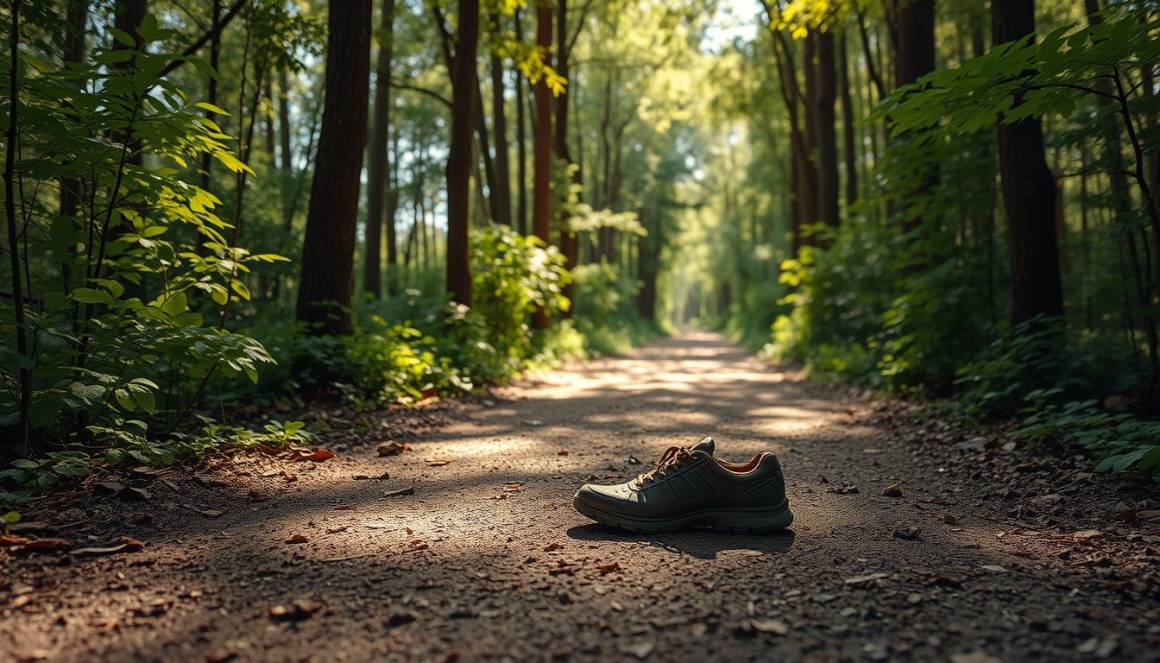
{"type": "Point", "coordinates": [913, 540]}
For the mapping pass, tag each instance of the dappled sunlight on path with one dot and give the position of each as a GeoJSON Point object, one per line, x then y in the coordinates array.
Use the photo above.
{"type": "Point", "coordinates": [487, 559]}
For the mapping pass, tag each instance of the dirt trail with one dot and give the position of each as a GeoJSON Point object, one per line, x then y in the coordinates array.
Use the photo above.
{"type": "Point", "coordinates": [487, 559]}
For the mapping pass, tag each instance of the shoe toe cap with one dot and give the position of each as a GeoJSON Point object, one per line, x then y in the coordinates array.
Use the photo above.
{"type": "Point", "coordinates": [604, 497]}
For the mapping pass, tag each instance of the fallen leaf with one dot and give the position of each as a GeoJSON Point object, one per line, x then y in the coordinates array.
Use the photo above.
{"type": "Point", "coordinates": [46, 546]}
{"type": "Point", "coordinates": [608, 568]}
{"type": "Point", "coordinates": [865, 580]}
{"type": "Point", "coordinates": [391, 449]}
{"type": "Point", "coordinates": [269, 450]}
{"type": "Point", "coordinates": [124, 544]}
{"type": "Point", "coordinates": [298, 610]}
{"type": "Point", "coordinates": [297, 538]}
{"type": "Point", "coordinates": [773, 626]}
{"type": "Point", "coordinates": [640, 650]}
{"type": "Point", "coordinates": [316, 456]}
{"type": "Point", "coordinates": [893, 490]}
{"type": "Point", "coordinates": [134, 494]}
{"type": "Point", "coordinates": [409, 490]}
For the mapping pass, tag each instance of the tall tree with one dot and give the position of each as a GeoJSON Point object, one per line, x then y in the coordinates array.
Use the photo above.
{"type": "Point", "coordinates": [215, 48]}
{"type": "Point", "coordinates": [464, 84]}
{"type": "Point", "coordinates": [827, 92]}
{"type": "Point", "coordinates": [849, 154]}
{"type": "Point", "coordinates": [327, 279]}
{"type": "Point", "coordinates": [811, 210]}
{"type": "Point", "coordinates": [1028, 189]}
{"type": "Point", "coordinates": [542, 157]}
{"type": "Point", "coordinates": [913, 32]}
{"type": "Point", "coordinates": [569, 245]}
{"type": "Point", "coordinates": [521, 139]}
{"type": "Point", "coordinates": [127, 17]}
{"type": "Point", "coordinates": [72, 188]}
{"type": "Point", "coordinates": [503, 188]}
{"type": "Point", "coordinates": [379, 165]}
{"type": "Point", "coordinates": [22, 444]}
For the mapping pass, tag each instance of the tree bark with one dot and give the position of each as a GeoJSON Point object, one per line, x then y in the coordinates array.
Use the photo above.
{"type": "Point", "coordinates": [327, 279]}
{"type": "Point", "coordinates": [914, 56]}
{"type": "Point", "coordinates": [1028, 189]}
{"type": "Point", "coordinates": [72, 188]}
{"type": "Point", "coordinates": [829, 191]}
{"type": "Point", "coordinates": [205, 179]}
{"type": "Point", "coordinates": [811, 210]}
{"type": "Point", "coordinates": [569, 244]}
{"type": "Point", "coordinates": [379, 148]}
{"type": "Point", "coordinates": [464, 83]}
{"type": "Point", "coordinates": [21, 446]}
{"type": "Point", "coordinates": [849, 153]}
{"type": "Point", "coordinates": [503, 187]}
{"type": "Point", "coordinates": [521, 139]}
{"type": "Point", "coordinates": [542, 157]}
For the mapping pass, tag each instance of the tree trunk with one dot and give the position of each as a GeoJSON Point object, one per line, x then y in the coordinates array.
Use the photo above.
{"type": "Point", "coordinates": [72, 188]}
{"type": "Point", "coordinates": [1028, 189]}
{"type": "Point", "coordinates": [21, 446]}
{"type": "Point", "coordinates": [568, 242]}
{"type": "Point", "coordinates": [392, 212]}
{"type": "Point", "coordinates": [205, 180]}
{"type": "Point", "coordinates": [521, 138]}
{"type": "Point", "coordinates": [503, 186]}
{"type": "Point", "coordinates": [127, 17]}
{"type": "Point", "coordinates": [464, 83]}
{"type": "Point", "coordinates": [542, 158]}
{"type": "Point", "coordinates": [849, 155]}
{"type": "Point", "coordinates": [913, 30]}
{"type": "Point", "coordinates": [379, 148]}
{"type": "Point", "coordinates": [827, 91]}
{"type": "Point", "coordinates": [485, 152]}
{"type": "Point", "coordinates": [811, 210]}
{"type": "Point", "coordinates": [327, 280]}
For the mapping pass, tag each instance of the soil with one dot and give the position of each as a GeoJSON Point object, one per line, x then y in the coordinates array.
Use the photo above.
{"type": "Point", "coordinates": [913, 540]}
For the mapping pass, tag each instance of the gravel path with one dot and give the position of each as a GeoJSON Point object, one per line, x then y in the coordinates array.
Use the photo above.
{"type": "Point", "coordinates": [486, 560]}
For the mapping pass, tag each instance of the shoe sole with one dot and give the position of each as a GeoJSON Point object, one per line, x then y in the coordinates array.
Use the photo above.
{"type": "Point", "coordinates": [738, 521]}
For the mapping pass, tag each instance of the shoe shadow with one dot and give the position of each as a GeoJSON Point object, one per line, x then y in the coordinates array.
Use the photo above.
{"type": "Point", "coordinates": [699, 543]}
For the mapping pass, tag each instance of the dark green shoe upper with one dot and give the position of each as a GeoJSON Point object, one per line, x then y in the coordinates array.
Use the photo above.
{"type": "Point", "coordinates": [688, 480]}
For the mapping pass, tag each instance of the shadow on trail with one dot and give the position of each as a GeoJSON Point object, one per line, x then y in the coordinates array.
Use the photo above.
{"type": "Point", "coordinates": [702, 544]}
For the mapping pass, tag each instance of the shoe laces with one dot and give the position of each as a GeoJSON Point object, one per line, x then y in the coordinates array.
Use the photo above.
{"type": "Point", "coordinates": [672, 458]}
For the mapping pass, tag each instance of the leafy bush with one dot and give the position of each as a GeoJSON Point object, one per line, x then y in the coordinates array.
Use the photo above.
{"type": "Point", "coordinates": [127, 292]}
{"type": "Point", "coordinates": [1120, 442]}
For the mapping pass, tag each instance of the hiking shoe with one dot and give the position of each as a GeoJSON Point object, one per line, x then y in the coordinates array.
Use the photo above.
{"type": "Point", "coordinates": [690, 488]}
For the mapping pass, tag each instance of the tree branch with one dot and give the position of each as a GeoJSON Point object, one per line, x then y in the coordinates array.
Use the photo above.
{"type": "Point", "coordinates": [196, 46]}
{"type": "Point", "coordinates": [422, 90]}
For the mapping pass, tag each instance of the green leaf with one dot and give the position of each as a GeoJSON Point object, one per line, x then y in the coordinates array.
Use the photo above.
{"type": "Point", "coordinates": [92, 296]}
{"type": "Point", "coordinates": [205, 105]}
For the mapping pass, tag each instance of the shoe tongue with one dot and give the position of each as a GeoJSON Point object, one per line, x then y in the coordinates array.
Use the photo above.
{"type": "Point", "coordinates": [705, 445]}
